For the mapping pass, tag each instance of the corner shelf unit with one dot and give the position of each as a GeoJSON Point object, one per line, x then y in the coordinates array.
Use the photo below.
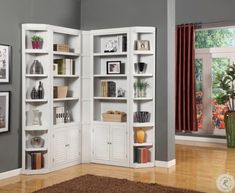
{"type": "Point", "coordinates": [120, 149]}
{"type": "Point", "coordinates": [62, 145]}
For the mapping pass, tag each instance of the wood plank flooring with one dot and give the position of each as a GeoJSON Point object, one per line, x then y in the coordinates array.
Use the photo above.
{"type": "Point", "coordinates": [197, 168]}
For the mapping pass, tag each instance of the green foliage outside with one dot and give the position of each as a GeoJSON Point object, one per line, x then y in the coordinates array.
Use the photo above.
{"type": "Point", "coordinates": [213, 38]}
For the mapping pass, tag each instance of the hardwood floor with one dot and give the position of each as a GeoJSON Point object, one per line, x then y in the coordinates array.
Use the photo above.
{"type": "Point", "coordinates": [197, 168]}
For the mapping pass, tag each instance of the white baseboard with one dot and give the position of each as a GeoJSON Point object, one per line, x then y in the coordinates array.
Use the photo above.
{"type": "Point", "coordinates": [201, 139]}
{"type": "Point", "coordinates": [165, 164]}
{"type": "Point", "coordinates": [10, 173]}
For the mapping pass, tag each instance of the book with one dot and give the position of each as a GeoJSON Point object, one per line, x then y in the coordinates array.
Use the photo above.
{"type": "Point", "coordinates": [111, 89]}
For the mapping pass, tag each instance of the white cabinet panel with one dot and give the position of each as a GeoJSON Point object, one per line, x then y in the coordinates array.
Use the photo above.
{"type": "Point", "coordinates": [73, 145]}
{"type": "Point", "coordinates": [67, 145]}
{"type": "Point", "coordinates": [118, 147]}
{"type": "Point", "coordinates": [110, 144]}
{"type": "Point", "coordinates": [59, 146]}
{"type": "Point", "coordinates": [101, 142]}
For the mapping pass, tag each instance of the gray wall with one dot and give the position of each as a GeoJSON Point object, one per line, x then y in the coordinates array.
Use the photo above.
{"type": "Point", "coordinates": [205, 11]}
{"type": "Point", "coordinates": [13, 13]}
{"type": "Point", "coordinates": [97, 14]}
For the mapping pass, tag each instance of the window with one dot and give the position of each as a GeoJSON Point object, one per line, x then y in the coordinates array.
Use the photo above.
{"type": "Point", "coordinates": [215, 50]}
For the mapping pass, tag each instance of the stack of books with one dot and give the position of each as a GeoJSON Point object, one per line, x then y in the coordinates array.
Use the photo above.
{"type": "Point", "coordinates": [65, 66]}
{"type": "Point", "coordinates": [37, 160]}
{"type": "Point", "coordinates": [108, 88]}
{"type": "Point", "coordinates": [142, 155]}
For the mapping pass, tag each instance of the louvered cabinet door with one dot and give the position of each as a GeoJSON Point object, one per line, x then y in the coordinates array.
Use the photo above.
{"type": "Point", "coordinates": [60, 148]}
{"type": "Point", "coordinates": [73, 145]}
{"type": "Point", "coordinates": [118, 144]}
{"type": "Point", "coordinates": [100, 142]}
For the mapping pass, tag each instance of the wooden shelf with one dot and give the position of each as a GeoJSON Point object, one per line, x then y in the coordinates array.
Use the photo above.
{"type": "Point", "coordinates": [111, 54]}
{"type": "Point", "coordinates": [66, 76]}
{"type": "Point", "coordinates": [111, 98]}
{"type": "Point", "coordinates": [36, 76]}
{"type": "Point", "coordinates": [65, 53]}
{"type": "Point", "coordinates": [66, 99]}
{"type": "Point", "coordinates": [36, 51]}
{"type": "Point", "coordinates": [36, 100]}
{"type": "Point", "coordinates": [142, 144]}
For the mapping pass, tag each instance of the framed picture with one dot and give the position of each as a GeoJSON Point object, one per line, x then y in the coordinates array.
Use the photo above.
{"type": "Point", "coordinates": [5, 60]}
{"type": "Point", "coordinates": [109, 44]}
{"type": "Point", "coordinates": [142, 45]}
{"type": "Point", "coordinates": [4, 111]}
{"type": "Point", "coordinates": [113, 67]}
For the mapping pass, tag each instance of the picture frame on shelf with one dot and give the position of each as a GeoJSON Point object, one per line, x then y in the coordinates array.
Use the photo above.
{"type": "Point", "coordinates": [142, 45]}
{"type": "Point", "coordinates": [109, 44]}
{"type": "Point", "coordinates": [4, 111]}
{"type": "Point", "coordinates": [114, 67]}
{"type": "Point", "coordinates": [5, 61]}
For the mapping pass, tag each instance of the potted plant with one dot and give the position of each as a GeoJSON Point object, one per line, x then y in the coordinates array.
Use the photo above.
{"type": "Point", "coordinates": [37, 41]}
{"type": "Point", "coordinates": [225, 82]}
{"type": "Point", "coordinates": [140, 86]}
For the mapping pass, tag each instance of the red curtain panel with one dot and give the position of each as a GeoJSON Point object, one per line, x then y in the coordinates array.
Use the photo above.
{"type": "Point", "coordinates": [186, 117]}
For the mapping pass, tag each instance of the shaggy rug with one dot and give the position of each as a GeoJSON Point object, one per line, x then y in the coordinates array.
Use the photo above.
{"type": "Point", "coordinates": [97, 184]}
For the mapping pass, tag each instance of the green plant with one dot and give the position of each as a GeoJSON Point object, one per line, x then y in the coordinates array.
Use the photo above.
{"type": "Point", "coordinates": [225, 82]}
{"type": "Point", "coordinates": [36, 38]}
{"type": "Point", "coordinates": [141, 84]}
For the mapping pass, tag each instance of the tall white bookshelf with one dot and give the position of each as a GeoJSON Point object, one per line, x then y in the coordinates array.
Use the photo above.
{"type": "Point", "coordinates": [145, 100]}
{"type": "Point", "coordinates": [114, 142]}
{"type": "Point", "coordinates": [62, 141]}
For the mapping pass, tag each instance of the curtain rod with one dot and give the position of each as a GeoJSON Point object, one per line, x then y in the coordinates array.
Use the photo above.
{"type": "Point", "coordinates": [216, 24]}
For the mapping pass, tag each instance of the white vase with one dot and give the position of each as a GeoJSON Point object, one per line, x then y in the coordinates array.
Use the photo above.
{"type": "Point", "coordinates": [36, 117]}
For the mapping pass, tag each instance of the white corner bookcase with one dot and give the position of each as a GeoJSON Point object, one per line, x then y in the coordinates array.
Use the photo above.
{"type": "Point", "coordinates": [99, 141]}
{"type": "Point", "coordinates": [62, 142]}
{"type": "Point", "coordinates": [114, 142]}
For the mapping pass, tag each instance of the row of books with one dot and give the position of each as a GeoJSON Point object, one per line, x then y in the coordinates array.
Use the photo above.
{"type": "Point", "coordinates": [64, 66]}
{"type": "Point", "coordinates": [37, 160]}
{"type": "Point", "coordinates": [108, 88]}
{"type": "Point", "coordinates": [142, 155]}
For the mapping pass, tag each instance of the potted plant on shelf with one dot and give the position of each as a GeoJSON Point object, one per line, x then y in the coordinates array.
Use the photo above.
{"type": "Point", "coordinates": [225, 82]}
{"type": "Point", "coordinates": [140, 87]}
{"type": "Point", "coordinates": [37, 41]}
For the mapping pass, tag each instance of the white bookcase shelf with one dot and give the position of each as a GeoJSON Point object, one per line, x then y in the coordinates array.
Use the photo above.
{"type": "Point", "coordinates": [36, 128]}
{"type": "Point", "coordinates": [66, 53]}
{"type": "Point", "coordinates": [110, 54]}
{"type": "Point", "coordinates": [66, 76]}
{"type": "Point", "coordinates": [36, 51]}
{"type": "Point", "coordinates": [110, 76]}
{"type": "Point", "coordinates": [36, 100]}
{"type": "Point", "coordinates": [36, 76]}
{"type": "Point", "coordinates": [40, 115]}
{"type": "Point", "coordinates": [138, 125]}
{"type": "Point", "coordinates": [35, 149]}
{"type": "Point", "coordinates": [66, 99]}
{"type": "Point", "coordinates": [125, 38]}
{"type": "Point", "coordinates": [142, 144]}
{"type": "Point", "coordinates": [111, 98]}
